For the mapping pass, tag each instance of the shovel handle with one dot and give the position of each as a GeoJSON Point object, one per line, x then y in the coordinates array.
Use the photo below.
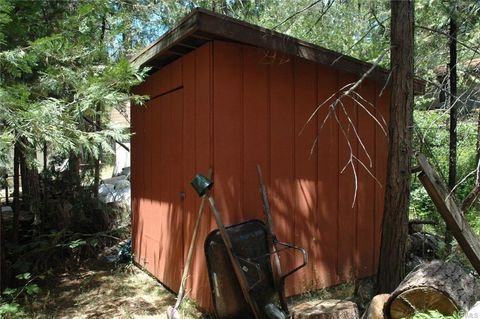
{"type": "Point", "coordinates": [186, 268]}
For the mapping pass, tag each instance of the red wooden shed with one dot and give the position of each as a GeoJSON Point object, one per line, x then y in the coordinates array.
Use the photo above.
{"type": "Point", "coordinates": [228, 95]}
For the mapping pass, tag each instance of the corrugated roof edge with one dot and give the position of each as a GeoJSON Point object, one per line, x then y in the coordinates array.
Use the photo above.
{"type": "Point", "coordinates": [207, 25]}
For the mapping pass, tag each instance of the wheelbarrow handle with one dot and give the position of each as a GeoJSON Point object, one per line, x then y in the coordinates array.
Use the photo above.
{"type": "Point", "coordinates": [304, 254]}
{"type": "Point", "coordinates": [281, 280]}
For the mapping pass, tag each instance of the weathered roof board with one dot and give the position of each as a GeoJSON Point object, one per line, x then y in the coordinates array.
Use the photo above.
{"type": "Point", "coordinates": [450, 212]}
{"type": "Point", "coordinates": [201, 26]}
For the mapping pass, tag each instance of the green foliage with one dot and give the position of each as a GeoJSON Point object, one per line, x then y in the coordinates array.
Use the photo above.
{"type": "Point", "coordinates": [432, 139]}
{"type": "Point", "coordinates": [435, 314]}
{"type": "Point", "coordinates": [9, 304]}
{"type": "Point", "coordinates": [76, 243]}
{"type": "Point", "coordinates": [11, 310]}
{"type": "Point", "coordinates": [56, 76]}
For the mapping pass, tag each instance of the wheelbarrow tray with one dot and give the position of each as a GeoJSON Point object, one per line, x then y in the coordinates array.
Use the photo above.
{"type": "Point", "coordinates": [250, 247]}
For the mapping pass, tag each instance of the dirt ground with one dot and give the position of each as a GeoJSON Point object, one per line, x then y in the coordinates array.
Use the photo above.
{"type": "Point", "coordinates": [101, 290]}
{"type": "Point", "coordinates": [104, 291]}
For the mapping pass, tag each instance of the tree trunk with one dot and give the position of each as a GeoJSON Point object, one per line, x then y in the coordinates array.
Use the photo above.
{"type": "Point", "coordinates": [34, 197]}
{"type": "Point", "coordinates": [45, 156]}
{"type": "Point", "coordinates": [96, 174]}
{"type": "Point", "coordinates": [452, 71]}
{"type": "Point", "coordinates": [395, 220]}
{"type": "Point", "coordinates": [436, 285]}
{"type": "Point", "coordinates": [452, 66]}
{"type": "Point", "coordinates": [30, 180]}
{"type": "Point", "coordinates": [16, 192]}
{"type": "Point", "coordinates": [96, 177]}
{"type": "Point", "coordinates": [478, 136]}
{"type": "Point", "coordinates": [326, 309]}
{"type": "Point", "coordinates": [475, 193]}
{"type": "Point", "coordinates": [74, 173]}
{"type": "Point", "coordinates": [23, 172]}
{"type": "Point", "coordinates": [2, 256]}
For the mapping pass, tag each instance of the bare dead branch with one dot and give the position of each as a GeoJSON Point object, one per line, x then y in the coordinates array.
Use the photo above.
{"type": "Point", "coordinates": [458, 99]}
{"type": "Point", "coordinates": [468, 46]}
{"type": "Point", "coordinates": [461, 181]}
{"type": "Point", "coordinates": [350, 160]}
{"type": "Point", "coordinates": [471, 198]}
{"type": "Point", "coordinates": [386, 83]}
{"type": "Point", "coordinates": [382, 126]}
{"type": "Point", "coordinates": [352, 87]}
{"type": "Point", "coordinates": [359, 139]}
{"type": "Point", "coordinates": [357, 42]}
{"type": "Point", "coordinates": [317, 109]}
{"type": "Point", "coordinates": [297, 13]}
{"type": "Point", "coordinates": [475, 193]}
{"type": "Point", "coordinates": [366, 74]}
{"type": "Point", "coordinates": [369, 171]}
{"type": "Point", "coordinates": [322, 14]}
{"type": "Point", "coordinates": [348, 91]}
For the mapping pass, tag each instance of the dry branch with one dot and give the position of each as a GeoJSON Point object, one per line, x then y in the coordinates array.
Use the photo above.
{"type": "Point", "coordinates": [337, 105]}
{"type": "Point", "coordinates": [474, 194]}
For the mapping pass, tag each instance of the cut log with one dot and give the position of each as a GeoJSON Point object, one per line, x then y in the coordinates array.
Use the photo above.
{"type": "Point", "coordinates": [326, 309]}
{"type": "Point", "coordinates": [437, 285]}
{"type": "Point", "coordinates": [376, 306]}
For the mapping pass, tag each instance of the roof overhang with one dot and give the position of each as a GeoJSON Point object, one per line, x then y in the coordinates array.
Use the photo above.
{"type": "Point", "coordinates": [202, 26]}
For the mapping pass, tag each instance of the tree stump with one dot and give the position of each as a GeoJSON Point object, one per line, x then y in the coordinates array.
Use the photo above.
{"type": "Point", "coordinates": [326, 309]}
{"type": "Point", "coordinates": [436, 285]}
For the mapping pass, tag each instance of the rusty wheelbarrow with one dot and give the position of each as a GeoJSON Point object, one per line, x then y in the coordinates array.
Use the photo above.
{"type": "Point", "coordinates": [239, 262]}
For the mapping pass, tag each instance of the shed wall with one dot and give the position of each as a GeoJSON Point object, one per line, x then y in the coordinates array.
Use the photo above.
{"type": "Point", "coordinates": [237, 106]}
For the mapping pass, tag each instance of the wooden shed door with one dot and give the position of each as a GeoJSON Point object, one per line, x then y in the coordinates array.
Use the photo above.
{"type": "Point", "coordinates": [162, 219]}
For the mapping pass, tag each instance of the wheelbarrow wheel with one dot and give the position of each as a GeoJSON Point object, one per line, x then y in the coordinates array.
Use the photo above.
{"type": "Point", "coordinates": [273, 312]}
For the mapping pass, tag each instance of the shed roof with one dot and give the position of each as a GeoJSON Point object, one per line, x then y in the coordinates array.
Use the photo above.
{"type": "Point", "coordinates": [201, 26]}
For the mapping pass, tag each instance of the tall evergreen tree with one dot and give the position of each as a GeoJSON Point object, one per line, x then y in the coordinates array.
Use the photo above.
{"type": "Point", "coordinates": [394, 227]}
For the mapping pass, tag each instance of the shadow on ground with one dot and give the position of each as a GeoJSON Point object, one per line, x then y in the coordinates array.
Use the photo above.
{"type": "Point", "coordinates": [103, 291]}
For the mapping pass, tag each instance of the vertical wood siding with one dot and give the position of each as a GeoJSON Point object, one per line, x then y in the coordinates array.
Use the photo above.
{"type": "Point", "coordinates": [231, 107]}
{"type": "Point", "coordinates": [327, 230]}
